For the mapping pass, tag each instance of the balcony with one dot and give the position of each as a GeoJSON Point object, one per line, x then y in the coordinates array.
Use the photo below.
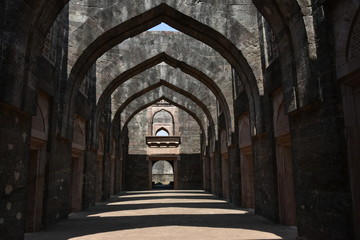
{"type": "Point", "coordinates": [163, 141]}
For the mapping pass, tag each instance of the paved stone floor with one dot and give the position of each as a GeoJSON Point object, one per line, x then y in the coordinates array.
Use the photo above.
{"type": "Point", "coordinates": [165, 214]}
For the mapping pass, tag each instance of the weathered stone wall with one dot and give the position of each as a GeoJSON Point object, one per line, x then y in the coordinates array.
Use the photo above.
{"type": "Point", "coordinates": [14, 154]}
{"type": "Point", "coordinates": [314, 52]}
{"type": "Point", "coordinates": [187, 156]}
{"type": "Point", "coordinates": [189, 172]}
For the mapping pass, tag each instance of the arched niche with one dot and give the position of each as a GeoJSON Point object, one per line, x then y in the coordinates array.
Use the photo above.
{"type": "Point", "coordinates": [281, 120]}
{"type": "Point", "coordinates": [40, 122]}
{"type": "Point", "coordinates": [79, 136]}
{"type": "Point", "coordinates": [246, 163]}
{"type": "Point", "coordinates": [163, 120]}
{"type": "Point", "coordinates": [284, 162]}
{"type": "Point", "coordinates": [244, 131]}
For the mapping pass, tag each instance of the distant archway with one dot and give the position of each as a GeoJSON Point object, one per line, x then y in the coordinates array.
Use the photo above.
{"type": "Point", "coordinates": [162, 175]}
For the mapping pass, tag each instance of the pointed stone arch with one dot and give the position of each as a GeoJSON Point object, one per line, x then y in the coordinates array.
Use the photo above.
{"type": "Point", "coordinates": [175, 89]}
{"type": "Point", "coordinates": [164, 13]}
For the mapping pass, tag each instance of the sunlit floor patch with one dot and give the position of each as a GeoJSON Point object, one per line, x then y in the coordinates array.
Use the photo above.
{"type": "Point", "coordinates": [169, 211]}
{"type": "Point", "coordinates": [181, 233]}
{"type": "Point", "coordinates": [165, 215]}
{"type": "Point", "coordinates": [166, 200]}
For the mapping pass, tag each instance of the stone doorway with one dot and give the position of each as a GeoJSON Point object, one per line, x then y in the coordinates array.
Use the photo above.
{"type": "Point", "coordinates": [35, 190]}
{"type": "Point", "coordinates": [162, 175]}
{"type": "Point", "coordinates": [247, 177]}
{"type": "Point", "coordinates": [77, 168]}
{"type": "Point", "coordinates": [287, 206]}
{"type": "Point", "coordinates": [284, 162]}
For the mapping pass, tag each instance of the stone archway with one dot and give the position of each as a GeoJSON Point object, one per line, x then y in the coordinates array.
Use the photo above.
{"type": "Point", "coordinates": [162, 174]}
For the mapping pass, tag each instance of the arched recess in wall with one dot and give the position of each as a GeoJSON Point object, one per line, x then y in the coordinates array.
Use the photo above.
{"type": "Point", "coordinates": [246, 163]}
{"type": "Point", "coordinates": [169, 118]}
{"type": "Point", "coordinates": [284, 162]}
{"type": "Point", "coordinates": [77, 164]}
{"type": "Point", "coordinates": [164, 13]}
{"type": "Point", "coordinates": [175, 63]}
{"type": "Point", "coordinates": [174, 88]}
{"type": "Point", "coordinates": [79, 133]}
{"type": "Point", "coordinates": [166, 122]}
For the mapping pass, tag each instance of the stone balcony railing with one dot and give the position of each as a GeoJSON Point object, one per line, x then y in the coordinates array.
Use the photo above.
{"type": "Point", "coordinates": [163, 141]}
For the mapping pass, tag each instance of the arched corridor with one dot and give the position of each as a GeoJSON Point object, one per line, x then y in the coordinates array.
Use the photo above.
{"type": "Point", "coordinates": [253, 102]}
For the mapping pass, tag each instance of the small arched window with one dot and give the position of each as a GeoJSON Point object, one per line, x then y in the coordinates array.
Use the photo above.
{"type": "Point", "coordinates": [162, 132]}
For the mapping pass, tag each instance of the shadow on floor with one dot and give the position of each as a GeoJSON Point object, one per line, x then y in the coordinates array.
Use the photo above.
{"type": "Point", "coordinates": [84, 223]}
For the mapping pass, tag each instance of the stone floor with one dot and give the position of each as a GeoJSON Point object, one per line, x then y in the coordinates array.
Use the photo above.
{"type": "Point", "coordinates": [165, 214]}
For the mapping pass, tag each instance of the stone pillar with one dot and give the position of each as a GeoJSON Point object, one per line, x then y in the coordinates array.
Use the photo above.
{"type": "Point", "coordinates": [217, 171]}
{"type": "Point", "coordinates": [235, 184]}
{"type": "Point", "coordinates": [14, 153]}
{"type": "Point", "coordinates": [321, 174]}
{"type": "Point", "coordinates": [266, 199]}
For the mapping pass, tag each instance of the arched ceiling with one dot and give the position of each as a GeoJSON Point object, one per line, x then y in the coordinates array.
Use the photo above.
{"type": "Point", "coordinates": [216, 18]}
{"type": "Point", "coordinates": [216, 23]}
{"type": "Point", "coordinates": [167, 74]}
{"type": "Point", "coordinates": [178, 93]}
{"type": "Point", "coordinates": [160, 93]}
{"type": "Point", "coordinates": [106, 38]}
{"type": "Point", "coordinates": [173, 62]}
{"type": "Point", "coordinates": [174, 44]}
